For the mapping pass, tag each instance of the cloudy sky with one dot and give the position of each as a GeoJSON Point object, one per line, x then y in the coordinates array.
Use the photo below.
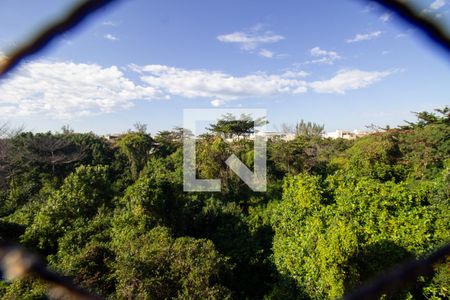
{"type": "Point", "coordinates": [343, 63]}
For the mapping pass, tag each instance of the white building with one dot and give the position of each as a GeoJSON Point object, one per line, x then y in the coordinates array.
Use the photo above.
{"type": "Point", "coordinates": [345, 134]}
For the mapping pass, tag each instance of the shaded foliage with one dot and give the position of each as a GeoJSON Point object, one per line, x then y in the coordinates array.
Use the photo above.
{"type": "Point", "coordinates": [113, 216]}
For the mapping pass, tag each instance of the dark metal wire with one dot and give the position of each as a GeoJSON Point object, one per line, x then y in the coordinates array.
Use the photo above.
{"type": "Point", "coordinates": [431, 28]}
{"type": "Point", "coordinates": [17, 263]}
{"type": "Point", "coordinates": [399, 277]}
{"type": "Point", "coordinates": [43, 38]}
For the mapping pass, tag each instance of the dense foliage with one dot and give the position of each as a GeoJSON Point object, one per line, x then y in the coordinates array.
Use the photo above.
{"type": "Point", "coordinates": [112, 214]}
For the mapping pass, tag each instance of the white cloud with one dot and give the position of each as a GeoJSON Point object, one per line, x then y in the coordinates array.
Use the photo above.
{"type": "Point", "coordinates": [218, 85]}
{"type": "Point", "coordinates": [265, 53]}
{"type": "Point", "coordinates": [110, 37]}
{"type": "Point", "coordinates": [364, 37]}
{"type": "Point", "coordinates": [385, 17]}
{"type": "Point", "coordinates": [222, 87]}
{"type": "Point", "coordinates": [109, 23]}
{"type": "Point", "coordinates": [323, 56]}
{"type": "Point", "coordinates": [404, 34]}
{"type": "Point", "coordinates": [65, 90]}
{"type": "Point", "coordinates": [434, 8]}
{"type": "Point", "coordinates": [295, 74]}
{"type": "Point", "coordinates": [371, 6]}
{"type": "Point", "coordinates": [252, 40]}
{"type": "Point", "coordinates": [437, 4]}
{"type": "Point", "coordinates": [217, 102]}
{"type": "Point", "coordinates": [346, 80]}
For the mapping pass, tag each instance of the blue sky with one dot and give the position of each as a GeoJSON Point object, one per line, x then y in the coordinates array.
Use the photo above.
{"type": "Point", "coordinates": [343, 63]}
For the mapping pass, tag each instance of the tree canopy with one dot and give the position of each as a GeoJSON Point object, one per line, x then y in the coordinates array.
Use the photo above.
{"type": "Point", "coordinates": [229, 126]}
{"type": "Point", "coordinates": [112, 215]}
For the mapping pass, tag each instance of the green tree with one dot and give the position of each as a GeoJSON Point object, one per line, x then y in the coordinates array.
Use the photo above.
{"type": "Point", "coordinates": [229, 126]}
{"type": "Point", "coordinates": [154, 265]}
{"type": "Point", "coordinates": [440, 116]}
{"type": "Point", "coordinates": [80, 196]}
{"type": "Point", "coordinates": [167, 142]}
{"type": "Point", "coordinates": [330, 239]}
{"type": "Point", "coordinates": [84, 253]}
{"type": "Point", "coordinates": [303, 128]}
{"type": "Point", "coordinates": [137, 147]}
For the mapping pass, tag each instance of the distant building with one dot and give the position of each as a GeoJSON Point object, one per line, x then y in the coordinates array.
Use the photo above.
{"type": "Point", "coordinates": [268, 135]}
{"type": "Point", "coordinates": [277, 135]}
{"type": "Point", "coordinates": [112, 137]}
{"type": "Point", "coordinates": [345, 134]}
